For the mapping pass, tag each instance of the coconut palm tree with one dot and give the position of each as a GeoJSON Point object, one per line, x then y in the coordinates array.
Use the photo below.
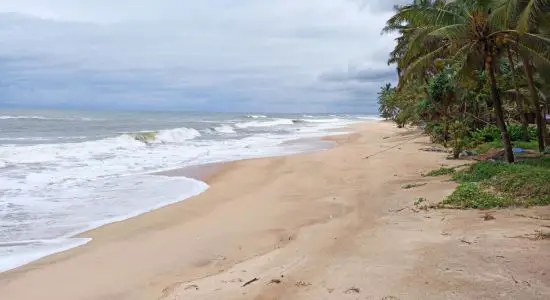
{"type": "Point", "coordinates": [467, 33]}
{"type": "Point", "coordinates": [527, 20]}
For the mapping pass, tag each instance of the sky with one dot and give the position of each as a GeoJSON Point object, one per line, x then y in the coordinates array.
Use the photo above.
{"type": "Point", "coordinates": [209, 55]}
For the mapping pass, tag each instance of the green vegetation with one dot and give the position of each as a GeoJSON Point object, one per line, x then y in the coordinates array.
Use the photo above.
{"type": "Point", "coordinates": [440, 172]}
{"type": "Point", "coordinates": [472, 89]}
{"type": "Point", "coordinates": [495, 185]}
{"type": "Point", "coordinates": [471, 195]}
{"type": "Point", "coordinates": [475, 75]}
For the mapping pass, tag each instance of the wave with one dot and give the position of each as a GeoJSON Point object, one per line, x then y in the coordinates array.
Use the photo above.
{"type": "Point", "coordinates": [8, 117]}
{"type": "Point", "coordinates": [223, 129]}
{"type": "Point", "coordinates": [256, 116]}
{"type": "Point", "coordinates": [276, 122]}
{"type": "Point", "coordinates": [332, 120]}
{"type": "Point", "coordinates": [23, 118]}
{"type": "Point", "coordinates": [176, 135]}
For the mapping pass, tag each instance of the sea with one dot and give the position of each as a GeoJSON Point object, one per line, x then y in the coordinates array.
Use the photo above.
{"type": "Point", "coordinates": [65, 172]}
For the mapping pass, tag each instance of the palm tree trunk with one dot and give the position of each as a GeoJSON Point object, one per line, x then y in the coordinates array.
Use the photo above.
{"type": "Point", "coordinates": [545, 113]}
{"type": "Point", "coordinates": [539, 116]}
{"type": "Point", "coordinates": [499, 112]}
{"type": "Point", "coordinates": [519, 101]}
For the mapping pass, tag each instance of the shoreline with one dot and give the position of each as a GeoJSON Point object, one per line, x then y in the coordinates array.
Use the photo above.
{"type": "Point", "coordinates": [329, 224]}
{"type": "Point", "coordinates": [202, 173]}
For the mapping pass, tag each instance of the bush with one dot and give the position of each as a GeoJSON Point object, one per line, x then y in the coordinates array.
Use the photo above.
{"type": "Point", "coordinates": [487, 134]}
{"type": "Point", "coordinates": [516, 132]}
{"type": "Point", "coordinates": [436, 132]}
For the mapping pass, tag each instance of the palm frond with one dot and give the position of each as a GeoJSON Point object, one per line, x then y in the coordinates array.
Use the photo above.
{"type": "Point", "coordinates": [423, 62]}
{"type": "Point", "coordinates": [505, 13]}
{"type": "Point", "coordinates": [537, 57]}
{"type": "Point", "coordinates": [531, 14]}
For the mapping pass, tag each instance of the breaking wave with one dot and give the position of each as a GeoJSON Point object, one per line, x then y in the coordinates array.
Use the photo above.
{"type": "Point", "coordinates": [276, 122]}
{"type": "Point", "coordinates": [177, 135]}
{"type": "Point", "coordinates": [223, 129]}
{"type": "Point", "coordinates": [256, 116]}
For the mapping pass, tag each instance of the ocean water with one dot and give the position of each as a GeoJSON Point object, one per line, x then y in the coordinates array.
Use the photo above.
{"type": "Point", "coordinates": [65, 172]}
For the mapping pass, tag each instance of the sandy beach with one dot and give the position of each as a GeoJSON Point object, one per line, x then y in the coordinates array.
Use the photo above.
{"type": "Point", "coordinates": [332, 224]}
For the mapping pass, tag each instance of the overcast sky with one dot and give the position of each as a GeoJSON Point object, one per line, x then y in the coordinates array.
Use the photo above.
{"type": "Point", "coordinates": [215, 55]}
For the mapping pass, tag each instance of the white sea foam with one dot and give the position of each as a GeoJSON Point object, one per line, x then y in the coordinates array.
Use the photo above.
{"type": "Point", "coordinates": [50, 192]}
{"type": "Point", "coordinates": [256, 116]}
{"type": "Point", "coordinates": [270, 123]}
{"type": "Point", "coordinates": [331, 120]}
{"type": "Point", "coordinates": [224, 129]}
{"type": "Point", "coordinates": [177, 135]}
{"type": "Point", "coordinates": [23, 117]}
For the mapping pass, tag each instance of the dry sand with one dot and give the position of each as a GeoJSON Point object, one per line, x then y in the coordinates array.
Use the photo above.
{"type": "Point", "coordinates": [324, 225]}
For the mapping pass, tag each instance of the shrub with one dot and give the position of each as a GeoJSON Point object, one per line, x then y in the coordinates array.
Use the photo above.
{"type": "Point", "coordinates": [516, 132]}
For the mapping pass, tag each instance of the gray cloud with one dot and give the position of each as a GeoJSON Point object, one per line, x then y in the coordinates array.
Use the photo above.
{"type": "Point", "coordinates": [360, 75]}
{"type": "Point", "coordinates": [211, 53]}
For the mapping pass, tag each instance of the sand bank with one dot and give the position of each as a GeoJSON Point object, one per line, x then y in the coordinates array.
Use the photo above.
{"type": "Point", "coordinates": [325, 225]}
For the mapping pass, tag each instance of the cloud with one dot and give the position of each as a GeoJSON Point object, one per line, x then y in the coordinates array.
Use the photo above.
{"type": "Point", "coordinates": [213, 54]}
{"type": "Point", "coordinates": [360, 75]}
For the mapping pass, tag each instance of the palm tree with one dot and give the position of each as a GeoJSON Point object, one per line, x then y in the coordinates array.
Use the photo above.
{"type": "Point", "coordinates": [526, 18]}
{"type": "Point", "coordinates": [518, 97]}
{"type": "Point", "coordinates": [466, 32]}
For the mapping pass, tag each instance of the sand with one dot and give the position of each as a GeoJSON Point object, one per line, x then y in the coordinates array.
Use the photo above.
{"type": "Point", "coordinates": [331, 224]}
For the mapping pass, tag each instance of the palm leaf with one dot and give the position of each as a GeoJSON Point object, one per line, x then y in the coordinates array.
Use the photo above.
{"type": "Point", "coordinates": [531, 14]}
{"type": "Point", "coordinates": [424, 61]}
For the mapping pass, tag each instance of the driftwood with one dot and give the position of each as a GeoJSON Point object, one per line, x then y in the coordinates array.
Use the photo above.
{"type": "Point", "coordinates": [250, 281]}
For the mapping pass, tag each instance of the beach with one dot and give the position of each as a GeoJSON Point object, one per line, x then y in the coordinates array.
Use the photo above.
{"type": "Point", "coordinates": [330, 224]}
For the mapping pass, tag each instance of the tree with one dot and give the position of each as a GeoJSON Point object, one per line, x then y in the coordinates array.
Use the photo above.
{"type": "Point", "coordinates": [526, 19]}
{"type": "Point", "coordinates": [468, 33]}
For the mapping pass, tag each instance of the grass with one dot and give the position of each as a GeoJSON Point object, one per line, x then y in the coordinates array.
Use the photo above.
{"type": "Point", "coordinates": [486, 147]}
{"type": "Point", "coordinates": [472, 195]}
{"type": "Point", "coordinates": [487, 185]}
{"type": "Point", "coordinates": [531, 145]}
{"type": "Point", "coordinates": [441, 172]}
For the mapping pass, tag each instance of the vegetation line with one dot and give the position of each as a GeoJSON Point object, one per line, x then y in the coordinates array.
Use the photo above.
{"type": "Point", "coordinates": [475, 75]}
{"type": "Point", "coordinates": [464, 65]}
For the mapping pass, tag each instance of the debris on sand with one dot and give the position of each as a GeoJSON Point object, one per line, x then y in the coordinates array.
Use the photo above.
{"type": "Point", "coordinates": [353, 290]}
{"type": "Point", "coordinates": [488, 217]}
{"type": "Point", "coordinates": [250, 281]}
{"type": "Point", "coordinates": [302, 283]}
{"type": "Point", "coordinates": [192, 287]}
